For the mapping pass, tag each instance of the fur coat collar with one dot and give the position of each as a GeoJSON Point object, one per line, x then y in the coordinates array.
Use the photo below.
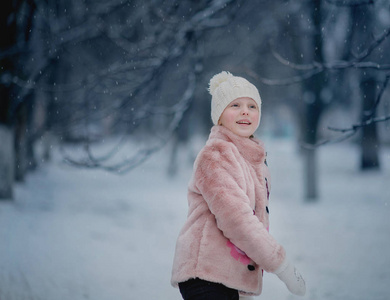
{"type": "Point", "coordinates": [251, 149]}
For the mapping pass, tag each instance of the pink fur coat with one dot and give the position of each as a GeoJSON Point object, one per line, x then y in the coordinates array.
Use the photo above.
{"type": "Point", "coordinates": [225, 238]}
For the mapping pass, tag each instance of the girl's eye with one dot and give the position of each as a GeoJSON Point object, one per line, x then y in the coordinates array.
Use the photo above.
{"type": "Point", "coordinates": [253, 106]}
{"type": "Point", "coordinates": [234, 105]}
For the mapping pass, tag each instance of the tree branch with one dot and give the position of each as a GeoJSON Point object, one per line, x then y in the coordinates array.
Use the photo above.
{"type": "Point", "coordinates": [352, 130]}
{"type": "Point", "coordinates": [91, 161]}
{"type": "Point", "coordinates": [353, 3]}
{"type": "Point", "coordinates": [355, 127]}
{"type": "Point", "coordinates": [317, 67]}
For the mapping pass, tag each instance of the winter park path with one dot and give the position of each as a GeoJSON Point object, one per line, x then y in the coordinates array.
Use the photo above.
{"type": "Point", "coordinates": [82, 234]}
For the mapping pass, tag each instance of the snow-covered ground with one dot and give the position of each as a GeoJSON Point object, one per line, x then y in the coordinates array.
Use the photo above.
{"type": "Point", "coordinates": [88, 234]}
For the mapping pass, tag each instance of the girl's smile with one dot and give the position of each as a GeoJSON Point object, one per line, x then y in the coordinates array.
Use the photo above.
{"type": "Point", "coordinates": [241, 116]}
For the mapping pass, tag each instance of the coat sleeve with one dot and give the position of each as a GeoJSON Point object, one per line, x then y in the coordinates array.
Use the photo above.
{"type": "Point", "coordinates": [220, 179]}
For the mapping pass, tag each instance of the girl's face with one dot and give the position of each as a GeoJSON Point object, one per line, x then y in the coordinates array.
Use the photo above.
{"type": "Point", "coordinates": [241, 116]}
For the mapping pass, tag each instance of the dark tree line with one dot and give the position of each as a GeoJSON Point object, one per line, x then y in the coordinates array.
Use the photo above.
{"type": "Point", "coordinates": [16, 18]}
{"type": "Point", "coordinates": [91, 69]}
{"type": "Point", "coordinates": [330, 75]}
{"type": "Point", "coordinates": [93, 74]}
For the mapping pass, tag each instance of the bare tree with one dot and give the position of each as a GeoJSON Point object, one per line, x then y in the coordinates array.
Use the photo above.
{"type": "Point", "coordinates": [149, 61]}
{"type": "Point", "coordinates": [123, 70]}
{"type": "Point", "coordinates": [16, 20]}
{"type": "Point", "coordinates": [99, 67]}
{"type": "Point", "coordinates": [313, 72]}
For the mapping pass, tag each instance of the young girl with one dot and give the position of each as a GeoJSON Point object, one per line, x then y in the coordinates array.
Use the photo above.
{"type": "Point", "coordinates": [224, 246]}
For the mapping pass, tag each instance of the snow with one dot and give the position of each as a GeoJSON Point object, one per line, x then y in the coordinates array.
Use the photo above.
{"type": "Point", "coordinates": [87, 234]}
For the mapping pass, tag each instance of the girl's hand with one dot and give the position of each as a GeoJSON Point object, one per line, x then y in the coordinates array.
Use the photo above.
{"type": "Point", "coordinates": [292, 278]}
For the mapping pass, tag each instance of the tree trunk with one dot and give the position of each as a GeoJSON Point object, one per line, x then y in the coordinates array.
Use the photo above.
{"type": "Point", "coordinates": [6, 162]}
{"type": "Point", "coordinates": [21, 144]}
{"type": "Point", "coordinates": [8, 38]}
{"type": "Point", "coordinates": [313, 105]}
{"type": "Point", "coordinates": [313, 109]}
{"type": "Point", "coordinates": [369, 142]}
{"type": "Point", "coordinates": [310, 171]}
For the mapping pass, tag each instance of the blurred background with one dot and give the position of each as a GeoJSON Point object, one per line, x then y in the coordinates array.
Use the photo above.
{"type": "Point", "coordinates": [80, 72]}
{"type": "Point", "coordinates": [104, 87]}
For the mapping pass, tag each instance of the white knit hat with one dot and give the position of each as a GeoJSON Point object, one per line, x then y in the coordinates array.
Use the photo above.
{"type": "Point", "coordinates": [224, 88]}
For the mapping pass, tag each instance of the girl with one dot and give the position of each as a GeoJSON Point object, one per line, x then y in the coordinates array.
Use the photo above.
{"type": "Point", "coordinates": [224, 246]}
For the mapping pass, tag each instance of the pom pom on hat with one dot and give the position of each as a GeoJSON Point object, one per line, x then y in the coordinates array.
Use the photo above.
{"type": "Point", "coordinates": [217, 79]}
{"type": "Point", "coordinates": [224, 88]}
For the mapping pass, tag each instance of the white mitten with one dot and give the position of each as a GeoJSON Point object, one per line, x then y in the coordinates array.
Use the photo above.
{"type": "Point", "coordinates": [292, 278]}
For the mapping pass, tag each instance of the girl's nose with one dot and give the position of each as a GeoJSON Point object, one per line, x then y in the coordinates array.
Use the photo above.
{"type": "Point", "coordinates": [245, 111]}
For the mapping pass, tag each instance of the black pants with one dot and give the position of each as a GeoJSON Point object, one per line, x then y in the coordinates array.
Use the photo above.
{"type": "Point", "coordinates": [198, 289]}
